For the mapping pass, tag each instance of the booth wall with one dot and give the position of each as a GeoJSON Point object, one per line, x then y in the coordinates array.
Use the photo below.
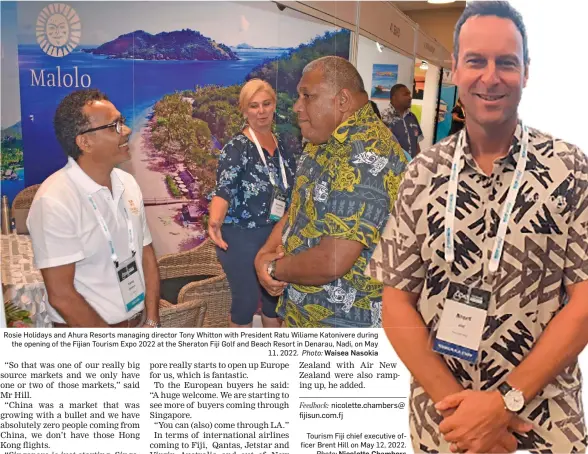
{"type": "Point", "coordinates": [439, 23]}
{"type": "Point", "coordinates": [429, 106]}
{"type": "Point", "coordinates": [173, 157]}
{"type": "Point", "coordinates": [446, 105]}
{"type": "Point", "coordinates": [368, 55]}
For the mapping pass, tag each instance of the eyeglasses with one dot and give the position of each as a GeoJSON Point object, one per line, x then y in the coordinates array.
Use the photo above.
{"type": "Point", "coordinates": [118, 124]}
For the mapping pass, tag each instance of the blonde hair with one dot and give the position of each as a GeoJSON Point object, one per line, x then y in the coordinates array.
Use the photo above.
{"type": "Point", "coordinates": [250, 89]}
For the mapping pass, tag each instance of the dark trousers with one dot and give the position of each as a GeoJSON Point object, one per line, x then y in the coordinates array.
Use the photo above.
{"type": "Point", "coordinates": [238, 263]}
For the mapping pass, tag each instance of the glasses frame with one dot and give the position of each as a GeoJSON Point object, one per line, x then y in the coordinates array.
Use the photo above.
{"type": "Point", "coordinates": [118, 124]}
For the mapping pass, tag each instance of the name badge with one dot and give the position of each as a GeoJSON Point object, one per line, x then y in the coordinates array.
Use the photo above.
{"type": "Point", "coordinates": [278, 206]}
{"type": "Point", "coordinates": [131, 284]}
{"type": "Point", "coordinates": [462, 322]}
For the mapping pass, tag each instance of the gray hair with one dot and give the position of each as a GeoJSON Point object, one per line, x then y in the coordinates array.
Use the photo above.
{"type": "Point", "coordinates": [337, 73]}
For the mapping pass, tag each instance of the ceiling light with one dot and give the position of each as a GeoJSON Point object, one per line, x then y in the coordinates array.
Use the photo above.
{"type": "Point", "coordinates": [379, 46]}
{"type": "Point", "coordinates": [424, 65]}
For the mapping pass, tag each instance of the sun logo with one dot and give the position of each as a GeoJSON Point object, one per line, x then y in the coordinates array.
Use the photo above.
{"type": "Point", "coordinates": [58, 29]}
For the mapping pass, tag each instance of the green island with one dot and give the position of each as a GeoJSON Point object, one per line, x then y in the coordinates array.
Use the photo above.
{"type": "Point", "coordinates": [189, 128]}
{"type": "Point", "coordinates": [12, 153]}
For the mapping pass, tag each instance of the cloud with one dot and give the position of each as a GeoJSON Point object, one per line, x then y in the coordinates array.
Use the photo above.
{"type": "Point", "coordinates": [244, 24]}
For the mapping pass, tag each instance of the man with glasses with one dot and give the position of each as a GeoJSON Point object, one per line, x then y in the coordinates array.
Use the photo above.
{"type": "Point", "coordinates": [485, 264]}
{"type": "Point", "coordinates": [88, 227]}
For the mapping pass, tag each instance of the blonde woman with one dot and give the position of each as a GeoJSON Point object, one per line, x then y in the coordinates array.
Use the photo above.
{"type": "Point", "coordinates": [254, 181]}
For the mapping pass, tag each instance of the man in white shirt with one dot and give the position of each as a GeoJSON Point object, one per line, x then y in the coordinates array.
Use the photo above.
{"type": "Point", "coordinates": [88, 227]}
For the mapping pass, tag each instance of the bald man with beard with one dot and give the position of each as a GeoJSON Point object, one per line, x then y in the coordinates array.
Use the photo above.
{"type": "Point", "coordinates": [345, 186]}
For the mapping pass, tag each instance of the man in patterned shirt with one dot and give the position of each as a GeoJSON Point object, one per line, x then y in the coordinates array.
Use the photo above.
{"type": "Point", "coordinates": [485, 257]}
{"type": "Point", "coordinates": [402, 122]}
{"type": "Point", "coordinates": [345, 186]}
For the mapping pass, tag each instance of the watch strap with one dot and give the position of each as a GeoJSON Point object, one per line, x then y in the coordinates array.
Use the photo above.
{"type": "Point", "coordinates": [271, 269]}
{"type": "Point", "coordinates": [504, 388]}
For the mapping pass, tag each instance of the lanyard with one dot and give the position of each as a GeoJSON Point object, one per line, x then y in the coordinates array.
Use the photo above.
{"type": "Point", "coordinates": [107, 234]}
{"type": "Point", "coordinates": [262, 156]}
{"type": "Point", "coordinates": [506, 211]}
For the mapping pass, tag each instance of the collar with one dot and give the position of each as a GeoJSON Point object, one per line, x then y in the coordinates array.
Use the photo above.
{"type": "Point", "coordinates": [397, 114]}
{"type": "Point", "coordinates": [360, 118]}
{"type": "Point", "coordinates": [89, 186]}
{"type": "Point", "coordinates": [511, 158]}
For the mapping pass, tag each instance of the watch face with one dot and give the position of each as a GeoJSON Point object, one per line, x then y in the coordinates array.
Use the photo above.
{"type": "Point", "coordinates": [514, 400]}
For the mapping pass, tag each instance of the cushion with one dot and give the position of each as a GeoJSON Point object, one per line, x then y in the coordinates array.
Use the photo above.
{"type": "Point", "coordinates": [170, 288]}
{"type": "Point", "coordinates": [20, 219]}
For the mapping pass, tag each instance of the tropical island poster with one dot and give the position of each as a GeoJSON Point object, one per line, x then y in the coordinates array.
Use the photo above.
{"type": "Point", "coordinates": [384, 77]}
{"type": "Point", "coordinates": [174, 70]}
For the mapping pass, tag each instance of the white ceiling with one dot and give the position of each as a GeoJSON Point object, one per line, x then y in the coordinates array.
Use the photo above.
{"type": "Point", "coordinates": [413, 5]}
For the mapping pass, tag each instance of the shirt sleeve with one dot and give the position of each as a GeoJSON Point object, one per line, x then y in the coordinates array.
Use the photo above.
{"type": "Point", "coordinates": [358, 204]}
{"type": "Point", "coordinates": [54, 235]}
{"type": "Point", "coordinates": [231, 164]}
{"type": "Point", "coordinates": [397, 260]}
{"type": "Point", "coordinates": [291, 165]}
{"type": "Point", "coordinates": [576, 261]}
{"type": "Point", "coordinates": [387, 117]}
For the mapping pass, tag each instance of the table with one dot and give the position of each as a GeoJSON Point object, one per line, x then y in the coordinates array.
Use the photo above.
{"type": "Point", "coordinates": [23, 289]}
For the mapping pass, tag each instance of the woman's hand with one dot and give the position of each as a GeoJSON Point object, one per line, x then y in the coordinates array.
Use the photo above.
{"type": "Point", "coordinates": [214, 232]}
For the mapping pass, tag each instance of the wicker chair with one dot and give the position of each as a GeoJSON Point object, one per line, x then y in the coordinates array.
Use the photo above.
{"type": "Point", "coordinates": [20, 207]}
{"type": "Point", "coordinates": [205, 303]}
{"type": "Point", "coordinates": [24, 198]}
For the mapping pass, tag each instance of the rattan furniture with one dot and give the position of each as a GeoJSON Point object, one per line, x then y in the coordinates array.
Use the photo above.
{"type": "Point", "coordinates": [20, 208]}
{"type": "Point", "coordinates": [24, 198]}
{"type": "Point", "coordinates": [205, 303]}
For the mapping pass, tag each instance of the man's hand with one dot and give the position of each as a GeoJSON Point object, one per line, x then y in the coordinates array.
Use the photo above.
{"type": "Point", "coordinates": [479, 422]}
{"type": "Point", "coordinates": [214, 232]}
{"type": "Point", "coordinates": [273, 287]}
{"type": "Point", "coordinates": [507, 442]}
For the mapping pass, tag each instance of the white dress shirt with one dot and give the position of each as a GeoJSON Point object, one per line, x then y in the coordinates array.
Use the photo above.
{"type": "Point", "coordinates": [64, 229]}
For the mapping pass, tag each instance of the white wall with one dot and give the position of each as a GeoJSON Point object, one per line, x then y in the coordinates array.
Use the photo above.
{"type": "Point", "coordinates": [557, 70]}
{"type": "Point", "coordinates": [368, 54]}
{"type": "Point", "coordinates": [429, 104]}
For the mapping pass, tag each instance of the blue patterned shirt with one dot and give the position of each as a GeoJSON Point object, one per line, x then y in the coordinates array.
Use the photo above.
{"type": "Point", "coordinates": [405, 128]}
{"type": "Point", "coordinates": [243, 180]}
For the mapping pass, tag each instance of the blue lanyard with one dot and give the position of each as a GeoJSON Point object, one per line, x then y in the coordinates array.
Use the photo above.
{"type": "Point", "coordinates": [108, 236]}
{"type": "Point", "coordinates": [506, 211]}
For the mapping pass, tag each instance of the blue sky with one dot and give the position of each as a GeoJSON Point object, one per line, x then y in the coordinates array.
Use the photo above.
{"type": "Point", "coordinates": [259, 24]}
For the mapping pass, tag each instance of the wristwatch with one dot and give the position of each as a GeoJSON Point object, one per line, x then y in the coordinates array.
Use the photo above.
{"type": "Point", "coordinates": [271, 269]}
{"type": "Point", "coordinates": [514, 400]}
{"type": "Point", "coordinates": [152, 323]}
